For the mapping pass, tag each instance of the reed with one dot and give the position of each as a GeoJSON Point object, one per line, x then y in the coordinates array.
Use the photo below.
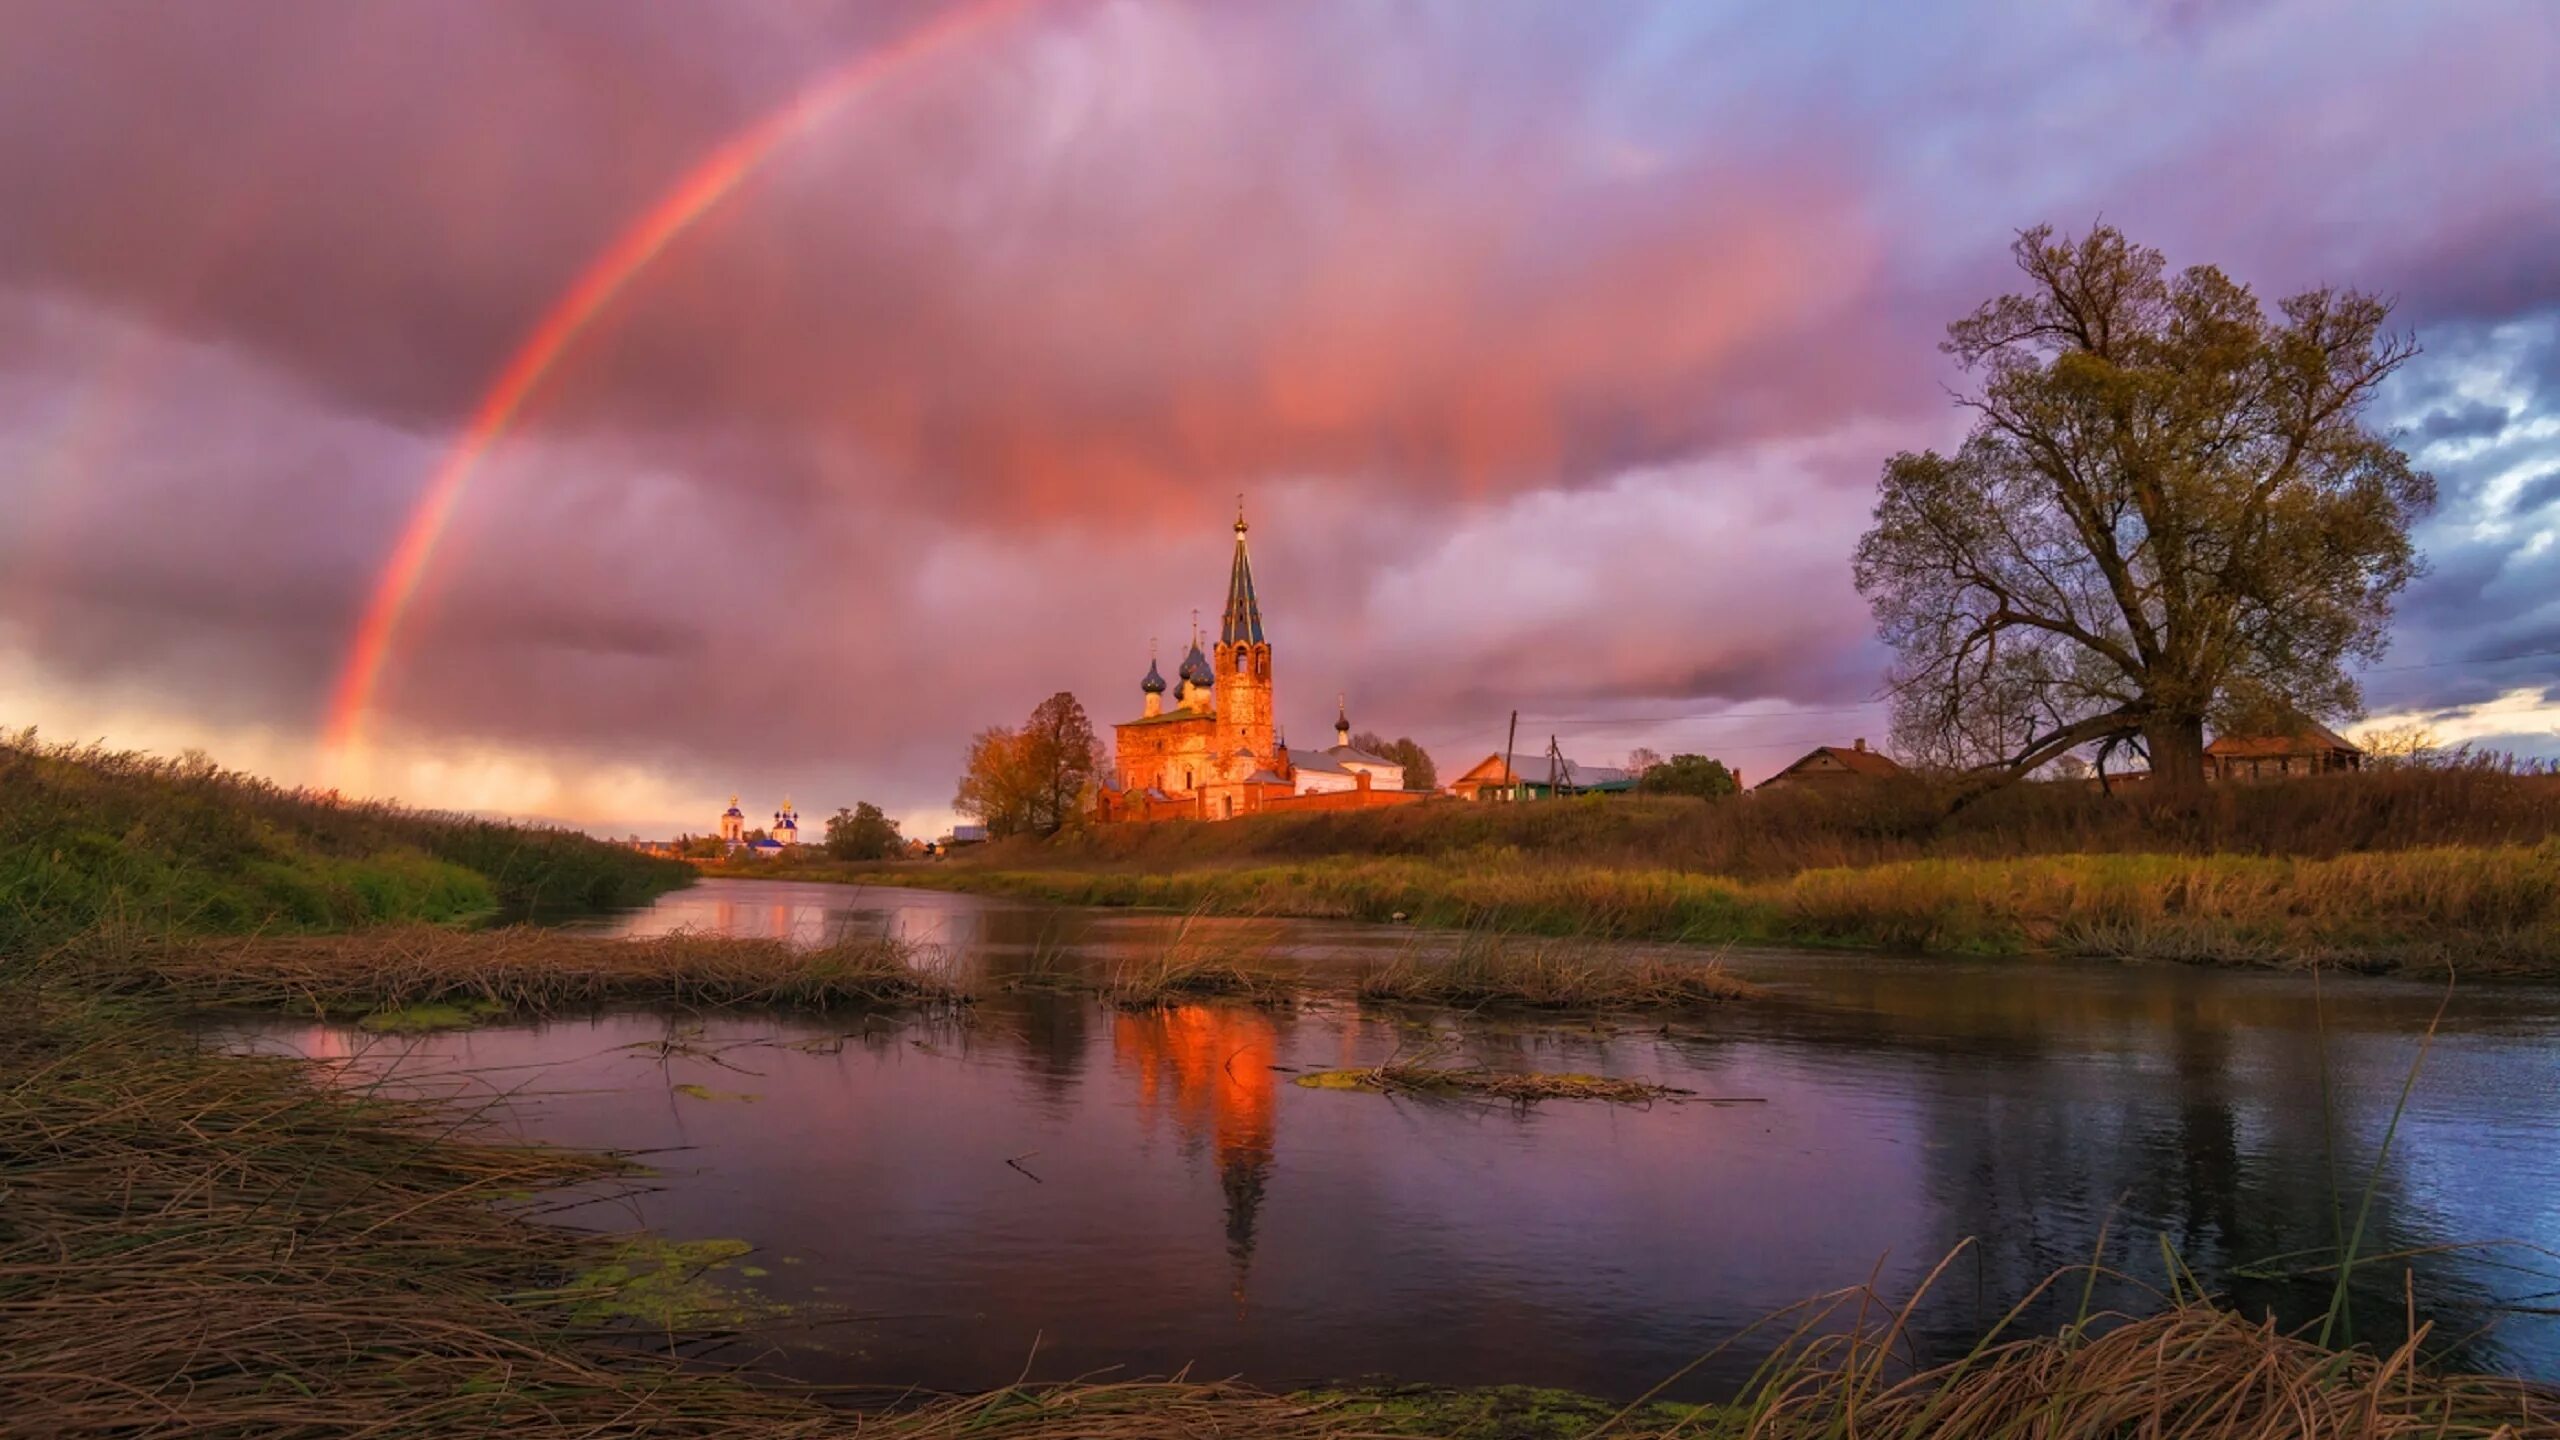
{"type": "Point", "coordinates": [1194, 963]}
{"type": "Point", "coordinates": [1519, 1087]}
{"type": "Point", "coordinates": [2189, 1369]}
{"type": "Point", "coordinates": [2492, 910]}
{"type": "Point", "coordinates": [217, 1245]}
{"type": "Point", "coordinates": [520, 970]}
{"type": "Point", "coordinates": [1489, 968]}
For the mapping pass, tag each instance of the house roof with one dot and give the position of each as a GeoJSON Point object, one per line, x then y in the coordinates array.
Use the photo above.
{"type": "Point", "coordinates": [1534, 770]}
{"type": "Point", "coordinates": [1320, 761]}
{"type": "Point", "coordinates": [1170, 717]}
{"type": "Point", "coordinates": [1871, 763]}
{"type": "Point", "coordinates": [2311, 739]}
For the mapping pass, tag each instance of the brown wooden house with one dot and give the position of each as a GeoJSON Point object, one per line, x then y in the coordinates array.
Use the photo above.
{"type": "Point", "coordinates": [2315, 749]}
{"type": "Point", "coordinates": [1832, 764]}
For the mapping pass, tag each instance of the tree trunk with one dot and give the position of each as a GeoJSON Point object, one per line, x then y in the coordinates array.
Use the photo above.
{"type": "Point", "coordinates": [2176, 744]}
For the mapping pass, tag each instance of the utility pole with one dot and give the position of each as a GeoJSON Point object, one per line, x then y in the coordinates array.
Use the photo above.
{"type": "Point", "coordinates": [1556, 776]}
{"type": "Point", "coordinates": [1508, 740]}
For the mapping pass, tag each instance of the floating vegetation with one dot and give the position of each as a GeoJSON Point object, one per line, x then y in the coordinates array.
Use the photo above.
{"type": "Point", "coordinates": [1505, 1412]}
{"type": "Point", "coordinates": [692, 1091]}
{"type": "Point", "coordinates": [1518, 1087]}
{"type": "Point", "coordinates": [669, 1285]}
{"type": "Point", "coordinates": [433, 1015]}
{"type": "Point", "coordinates": [1196, 963]}
{"type": "Point", "coordinates": [521, 970]}
{"type": "Point", "coordinates": [1489, 969]}
{"type": "Point", "coordinates": [1170, 979]}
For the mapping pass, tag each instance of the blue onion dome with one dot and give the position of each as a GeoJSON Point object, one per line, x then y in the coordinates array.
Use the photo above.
{"type": "Point", "coordinates": [1195, 667]}
{"type": "Point", "coordinates": [1154, 683]}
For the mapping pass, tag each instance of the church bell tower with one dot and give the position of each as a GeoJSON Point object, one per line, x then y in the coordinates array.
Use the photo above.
{"type": "Point", "coordinates": [1243, 660]}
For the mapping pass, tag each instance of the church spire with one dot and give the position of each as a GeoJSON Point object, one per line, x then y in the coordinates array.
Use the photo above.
{"type": "Point", "coordinates": [1243, 621]}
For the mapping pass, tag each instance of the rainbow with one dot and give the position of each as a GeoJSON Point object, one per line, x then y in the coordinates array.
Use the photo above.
{"type": "Point", "coordinates": [606, 277]}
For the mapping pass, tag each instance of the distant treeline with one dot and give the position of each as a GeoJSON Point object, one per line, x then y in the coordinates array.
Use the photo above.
{"type": "Point", "coordinates": [90, 836]}
{"type": "Point", "coordinates": [2483, 800]}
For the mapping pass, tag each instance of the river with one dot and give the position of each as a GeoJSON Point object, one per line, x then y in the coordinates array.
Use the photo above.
{"type": "Point", "coordinates": [1044, 1181]}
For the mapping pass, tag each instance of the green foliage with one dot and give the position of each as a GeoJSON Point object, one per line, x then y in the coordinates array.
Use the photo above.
{"type": "Point", "coordinates": [1692, 775]}
{"type": "Point", "coordinates": [1419, 772]}
{"type": "Point", "coordinates": [89, 835]}
{"type": "Point", "coordinates": [1032, 781]}
{"type": "Point", "coordinates": [862, 833]}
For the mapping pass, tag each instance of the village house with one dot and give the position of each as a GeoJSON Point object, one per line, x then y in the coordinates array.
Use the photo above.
{"type": "Point", "coordinates": [1831, 765]}
{"type": "Point", "coordinates": [2315, 749]}
{"type": "Point", "coordinates": [1207, 747]}
{"type": "Point", "coordinates": [1537, 777]}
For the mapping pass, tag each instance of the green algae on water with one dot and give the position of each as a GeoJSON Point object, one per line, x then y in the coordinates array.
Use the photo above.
{"type": "Point", "coordinates": [433, 1015]}
{"type": "Point", "coordinates": [669, 1285]}
{"type": "Point", "coordinates": [1519, 1087]}
{"type": "Point", "coordinates": [1500, 1412]}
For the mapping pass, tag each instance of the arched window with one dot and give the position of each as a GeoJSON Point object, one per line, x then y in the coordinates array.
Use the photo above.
{"type": "Point", "coordinates": [1231, 807]}
{"type": "Point", "coordinates": [1186, 779]}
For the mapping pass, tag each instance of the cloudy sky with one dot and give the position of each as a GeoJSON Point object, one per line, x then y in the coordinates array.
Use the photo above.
{"type": "Point", "coordinates": [1554, 347]}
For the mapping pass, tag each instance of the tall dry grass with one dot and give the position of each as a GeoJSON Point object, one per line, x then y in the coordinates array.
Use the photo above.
{"type": "Point", "coordinates": [2485, 910]}
{"type": "Point", "coordinates": [2192, 1369]}
{"type": "Point", "coordinates": [2476, 800]}
{"type": "Point", "coordinates": [520, 969]}
{"type": "Point", "coordinates": [1536, 972]}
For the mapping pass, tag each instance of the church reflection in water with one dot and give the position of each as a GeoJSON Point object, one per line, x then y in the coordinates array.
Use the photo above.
{"type": "Point", "coordinates": [1208, 1069]}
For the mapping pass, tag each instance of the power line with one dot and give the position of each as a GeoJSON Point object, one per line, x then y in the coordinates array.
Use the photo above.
{"type": "Point", "coordinates": [1699, 715]}
{"type": "Point", "coordinates": [2481, 660]}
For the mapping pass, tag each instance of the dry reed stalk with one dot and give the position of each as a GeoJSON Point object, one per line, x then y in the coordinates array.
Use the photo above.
{"type": "Point", "coordinates": [525, 970]}
{"type": "Point", "coordinates": [1550, 974]}
{"type": "Point", "coordinates": [1518, 1087]}
{"type": "Point", "coordinates": [2191, 1370]}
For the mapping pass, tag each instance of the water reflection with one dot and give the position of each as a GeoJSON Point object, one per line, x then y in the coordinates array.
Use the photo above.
{"type": "Point", "coordinates": [1178, 1201]}
{"type": "Point", "coordinates": [1209, 1070]}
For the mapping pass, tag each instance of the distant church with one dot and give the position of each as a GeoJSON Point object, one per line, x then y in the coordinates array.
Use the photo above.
{"type": "Point", "coordinates": [774, 842]}
{"type": "Point", "coordinates": [1216, 753]}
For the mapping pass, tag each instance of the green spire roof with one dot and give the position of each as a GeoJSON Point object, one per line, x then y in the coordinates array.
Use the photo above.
{"type": "Point", "coordinates": [1243, 621]}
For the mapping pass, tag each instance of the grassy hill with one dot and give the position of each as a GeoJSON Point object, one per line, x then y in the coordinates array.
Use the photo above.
{"type": "Point", "coordinates": [91, 836]}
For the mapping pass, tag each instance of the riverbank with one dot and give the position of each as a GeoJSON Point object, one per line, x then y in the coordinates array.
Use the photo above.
{"type": "Point", "coordinates": [2478, 910]}
{"type": "Point", "coordinates": [93, 837]}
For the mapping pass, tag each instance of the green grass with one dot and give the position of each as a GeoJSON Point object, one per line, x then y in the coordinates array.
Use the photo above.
{"type": "Point", "coordinates": [90, 836]}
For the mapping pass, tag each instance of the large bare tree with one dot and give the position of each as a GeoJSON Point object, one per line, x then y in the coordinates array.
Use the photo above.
{"type": "Point", "coordinates": [2169, 512]}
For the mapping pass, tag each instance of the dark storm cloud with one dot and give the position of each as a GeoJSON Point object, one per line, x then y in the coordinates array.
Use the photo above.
{"type": "Point", "coordinates": [2477, 421]}
{"type": "Point", "coordinates": [2536, 494]}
